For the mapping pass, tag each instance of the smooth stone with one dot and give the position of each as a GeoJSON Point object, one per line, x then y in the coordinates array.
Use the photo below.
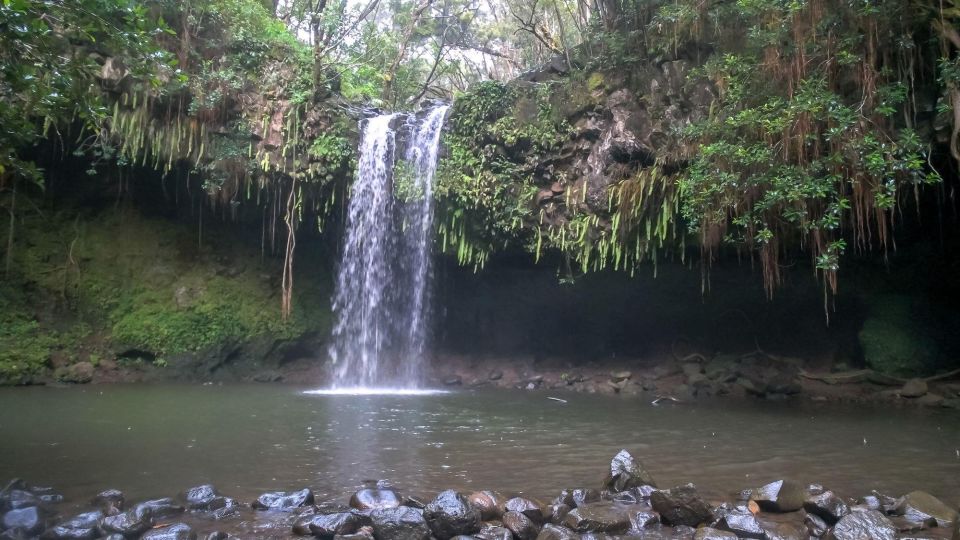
{"type": "Point", "coordinates": [709, 533]}
{"type": "Point", "coordinates": [175, 531]}
{"type": "Point", "coordinates": [201, 497]}
{"type": "Point", "coordinates": [827, 505]}
{"type": "Point", "coordinates": [374, 499]}
{"type": "Point", "coordinates": [556, 532]}
{"type": "Point", "coordinates": [80, 527]}
{"type": "Point", "coordinates": [29, 520]}
{"type": "Point", "coordinates": [625, 473]}
{"type": "Point", "coordinates": [131, 523]}
{"type": "Point", "coordinates": [16, 499]}
{"type": "Point", "coordinates": [780, 496]}
{"type": "Point", "coordinates": [488, 503]}
{"type": "Point", "coordinates": [339, 523]}
{"type": "Point", "coordinates": [494, 532]}
{"type": "Point", "coordinates": [914, 388]}
{"type": "Point", "coordinates": [401, 523]}
{"type": "Point", "coordinates": [450, 514]}
{"type": "Point", "coordinates": [742, 524]}
{"type": "Point", "coordinates": [920, 506]}
{"type": "Point", "coordinates": [601, 517]}
{"type": "Point", "coordinates": [521, 525]}
{"type": "Point", "coordinates": [527, 507]}
{"type": "Point", "coordinates": [284, 501]}
{"type": "Point", "coordinates": [109, 498]}
{"type": "Point", "coordinates": [868, 524]}
{"type": "Point", "coordinates": [681, 505]}
{"type": "Point", "coordinates": [160, 508]}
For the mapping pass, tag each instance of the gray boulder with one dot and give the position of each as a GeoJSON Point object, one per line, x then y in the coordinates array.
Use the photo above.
{"type": "Point", "coordinates": [681, 505]}
{"type": "Point", "coordinates": [864, 525]}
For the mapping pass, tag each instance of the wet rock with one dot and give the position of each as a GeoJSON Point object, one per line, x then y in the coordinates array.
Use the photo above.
{"type": "Point", "coordinates": [521, 525]}
{"type": "Point", "coordinates": [401, 523]}
{"type": "Point", "coordinates": [556, 532]}
{"type": "Point", "coordinates": [176, 531]}
{"type": "Point", "coordinates": [742, 524]}
{"type": "Point", "coordinates": [905, 525]}
{"type": "Point", "coordinates": [373, 499]}
{"type": "Point", "coordinates": [644, 519]}
{"type": "Point", "coordinates": [868, 524]}
{"type": "Point", "coordinates": [827, 506]}
{"type": "Point", "coordinates": [79, 527]}
{"type": "Point", "coordinates": [339, 523]}
{"type": "Point", "coordinates": [223, 507]}
{"type": "Point", "coordinates": [450, 514]}
{"type": "Point", "coordinates": [815, 524]}
{"type": "Point", "coordinates": [201, 497]}
{"type": "Point", "coordinates": [681, 505]}
{"type": "Point", "coordinates": [161, 508]}
{"type": "Point", "coordinates": [780, 496]}
{"type": "Point", "coordinates": [575, 497]}
{"type": "Point", "coordinates": [110, 501]}
{"type": "Point", "coordinates": [494, 532]}
{"type": "Point", "coordinates": [558, 512]}
{"type": "Point", "coordinates": [285, 501]}
{"type": "Point", "coordinates": [131, 523]}
{"type": "Point", "coordinates": [709, 533]}
{"type": "Point", "coordinates": [527, 507]}
{"type": "Point", "coordinates": [914, 388]}
{"type": "Point", "coordinates": [414, 502]}
{"type": "Point", "coordinates": [50, 498]}
{"type": "Point", "coordinates": [28, 520]}
{"type": "Point", "coordinates": [785, 531]}
{"type": "Point", "coordinates": [217, 535]}
{"type": "Point", "coordinates": [920, 506]}
{"type": "Point", "coordinates": [488, 503]}
{"type": "Point", "coordinates": [601, 517]}
{"type": "Point", "coordinates": [16, 499]}
{"type": "Point", "coordinates": [364, 533]}
{"type": "Point", "coordinates": [625, 473]}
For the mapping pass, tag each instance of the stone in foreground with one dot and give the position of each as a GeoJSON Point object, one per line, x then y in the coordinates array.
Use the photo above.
{"type": "Point", "coordinates": [780, 496]}
{"type": "Point", "coordinates": [374, 499]}
{"type": "Point", "coordinates": [625, 473]}
{"type": "Point", "coordinates": [400, 523]}
{"type": "Point", "coordinates": [176, 531]}
{"type": "Point", "coordinates": [681, 505]}
{"type": "Point", "coordinates": [284, 501]}
{"type": "Point", "coordinates": [450, 514]}
{"type": "Point", "coordinates": [868, 524]}
{"type": "Point", "coordinates": [920, 506]}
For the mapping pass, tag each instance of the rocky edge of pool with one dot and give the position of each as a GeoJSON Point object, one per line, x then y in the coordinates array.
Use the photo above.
{"type": "Point", "coordinates": [628, 504]}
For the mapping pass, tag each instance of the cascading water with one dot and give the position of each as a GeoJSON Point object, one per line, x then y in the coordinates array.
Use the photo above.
{"type": "Point", "coordinates": [382, 297]}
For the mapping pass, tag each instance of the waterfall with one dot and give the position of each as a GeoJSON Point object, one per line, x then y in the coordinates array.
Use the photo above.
{"type": "Point", "coordinates": [382, 299]}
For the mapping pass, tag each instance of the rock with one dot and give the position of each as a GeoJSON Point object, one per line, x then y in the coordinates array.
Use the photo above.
{"type": "Point", "coordinates": [626, 473]}
{"type": "Point", "coordinates": [19, 498]}
{"type": "Point", "coordinates": [488, 503]}
{"type": "Point", "coordinates": [285, 501]}
{"type": "Point", "coordinates": [914, 388]}
{"type": "Point", "coordinates": [558, 512]}
{"type": "Point", "coordinates": [338, 523]}
{"type": "Point", "coordinates": [79, 527]}
{"type": "Point", "coordinates": [176, 531]}
{"type": "Point", "coordinates": [644, 519]}
{"type": "Point", "coordinates": [160, 508]}
{"type": "Point", "coordinates": [575, 497]}
{"type": "Point", "coordinates": [223, 507]}
{"type": "Point", "coordinates": [785, 531]}
{"type": "Point", "coordinates": [28, 520]}
{"type": "Point", "coordinates": [495, 375]}
{"type": "Point", "coordinates": [920, 506]}
{"type": "Point", "coordinates": [618, 376]}
{"type": "Point", "coordinates": [494, 532]}
{"type": "Point", "coordinates": [931, 400]}
{"type": "Point", "coordinates": [865, 525]}
{"type": "Point", "coordinates": [51, 498]}
{"type": "Point", "coordinates": [601, 517]}
{"type": "Point", "coordinates": [79, 373]}
{"type": "Point", "coordinates": [200, 497]}
{"type": "Point", "coordinates": [455, 380]}
{"type": "Point", "coordinates": [450, 514]}
{"type": "Point", "coordinates": [131, 523]}
{"type": "Point", "coordinates": [681, 505]}
{"type": "Point", "coordinates": [827, 506]}
{"type": "Point", "coordinates": [526, 507]}
{"type": "Point", "coordinates": [401, 523]}
{"type": "Point", "coordinates": [555, 532]}
{"type": "Point", "coordinates": [708, 533]}
{"type": "Point", "coordinates": [816, 526]}
{"type": "Point", "coordinates": [374, 499]}
{"type": "Point", "coordinates": [742, 524]}
{"type": "Point", "coordinates": [110, 501]}
{"type": "Point", "coordinates": [521, 525]}
{"type": "Point", "coordinates": [217, 535]}
{"type": "Point", "coordinates": [780, 496]}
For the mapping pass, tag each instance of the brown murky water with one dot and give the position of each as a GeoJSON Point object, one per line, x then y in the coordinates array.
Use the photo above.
{"type": "Point", "coordinates": [154, 441]}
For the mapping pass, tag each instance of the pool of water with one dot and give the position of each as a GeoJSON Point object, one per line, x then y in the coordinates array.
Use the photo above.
{"type": "Point", "coordinates": [152, 441]}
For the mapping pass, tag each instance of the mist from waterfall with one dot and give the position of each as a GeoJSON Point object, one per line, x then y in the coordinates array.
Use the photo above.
{"type": "Point", "coordinates": [382, 299]}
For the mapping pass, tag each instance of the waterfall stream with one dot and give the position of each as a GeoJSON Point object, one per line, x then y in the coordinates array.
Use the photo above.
{"type": "Point", "coordinates": [382, 299]}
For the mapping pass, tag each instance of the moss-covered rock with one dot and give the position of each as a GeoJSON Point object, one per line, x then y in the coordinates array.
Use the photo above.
{"type": "Point", "coordinates": [895, 339]}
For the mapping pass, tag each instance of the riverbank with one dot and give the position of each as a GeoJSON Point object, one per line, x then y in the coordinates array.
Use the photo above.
{"type": "Point", "coordinates": [626, 503]}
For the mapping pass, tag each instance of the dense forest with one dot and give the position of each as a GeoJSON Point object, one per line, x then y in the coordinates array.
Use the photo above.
{"type": "Point", "coordinates": [175, 173]}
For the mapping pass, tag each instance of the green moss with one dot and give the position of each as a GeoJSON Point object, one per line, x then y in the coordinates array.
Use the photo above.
{"type": "Point", "coordinates": [894, 339]}
{"type": "Point", "coordinates": [25, 347]}
{"type": "Point", "coordinates": [596, 81]}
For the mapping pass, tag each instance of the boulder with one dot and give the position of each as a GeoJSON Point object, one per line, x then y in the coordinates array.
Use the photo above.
{"type": "Point", "coordinates": [780, 496]}
{"type": "Point", "coordinates": [558, 512]}
{"type": "Point", "coordinates": [827, 506]}
{"type": "Point", "coordinates": [709, 533]}
{"type": "Point", "coordinates": [201, 497]}
{"type": "Point", "coordinates": [284, 501]}
{"type": "Point", "coordinates": [401, 523]}
{"type": "Point", "coordinates": [867, 524]}
{"type": "Point", "coordinates": [450, 514]}
{"type": "Point", "coordinates": [625, 473]}
{"type": "Point", "coordinates": [919, 506]}
{"type": "Point", "coordinates": [374, 499]}
{"type": "Point", "coordinates": [110, 501]}
{"type": "Point", "coordinates": [527, 507]}
{"type": "Point", "coordinates": [681, 505]}
{"type": "Point", "coordinates": [644, 519]}
{"type": "Point", "coordinates": [161, 508]}
{"type": "Point", "coordinates": [176, 531]}
{"type": "Point", "coordinates": [338, 523]}
{"type": "Point", "coordinates": [521, 525]}
{"type": "Point", "coordinates": [600, 517]}
{"type": "Point", "coordinates": [575, 497]}
{"type": "Point", "coordinates": [80, 527]}
{"type": "Point", "coordinates": [131, 523]}
{"type": "Point", "coordinates": [488, 503]}
{"type": "Point", "coordinates": [742, 524]}
{"type": "Point", "coordinates": [556, 532]}
{"type": "Point", "coordinates": [914, 388]}
{"type": "Point", "coordinates": [815, 524]}
{"type": "Point", "coordinates": [28, 520]}
{"type": "Point", "coordinates": [15, 499]}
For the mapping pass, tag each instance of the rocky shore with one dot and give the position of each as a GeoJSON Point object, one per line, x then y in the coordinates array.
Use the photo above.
{"type": "Point", "coordinates": [628, 503]}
